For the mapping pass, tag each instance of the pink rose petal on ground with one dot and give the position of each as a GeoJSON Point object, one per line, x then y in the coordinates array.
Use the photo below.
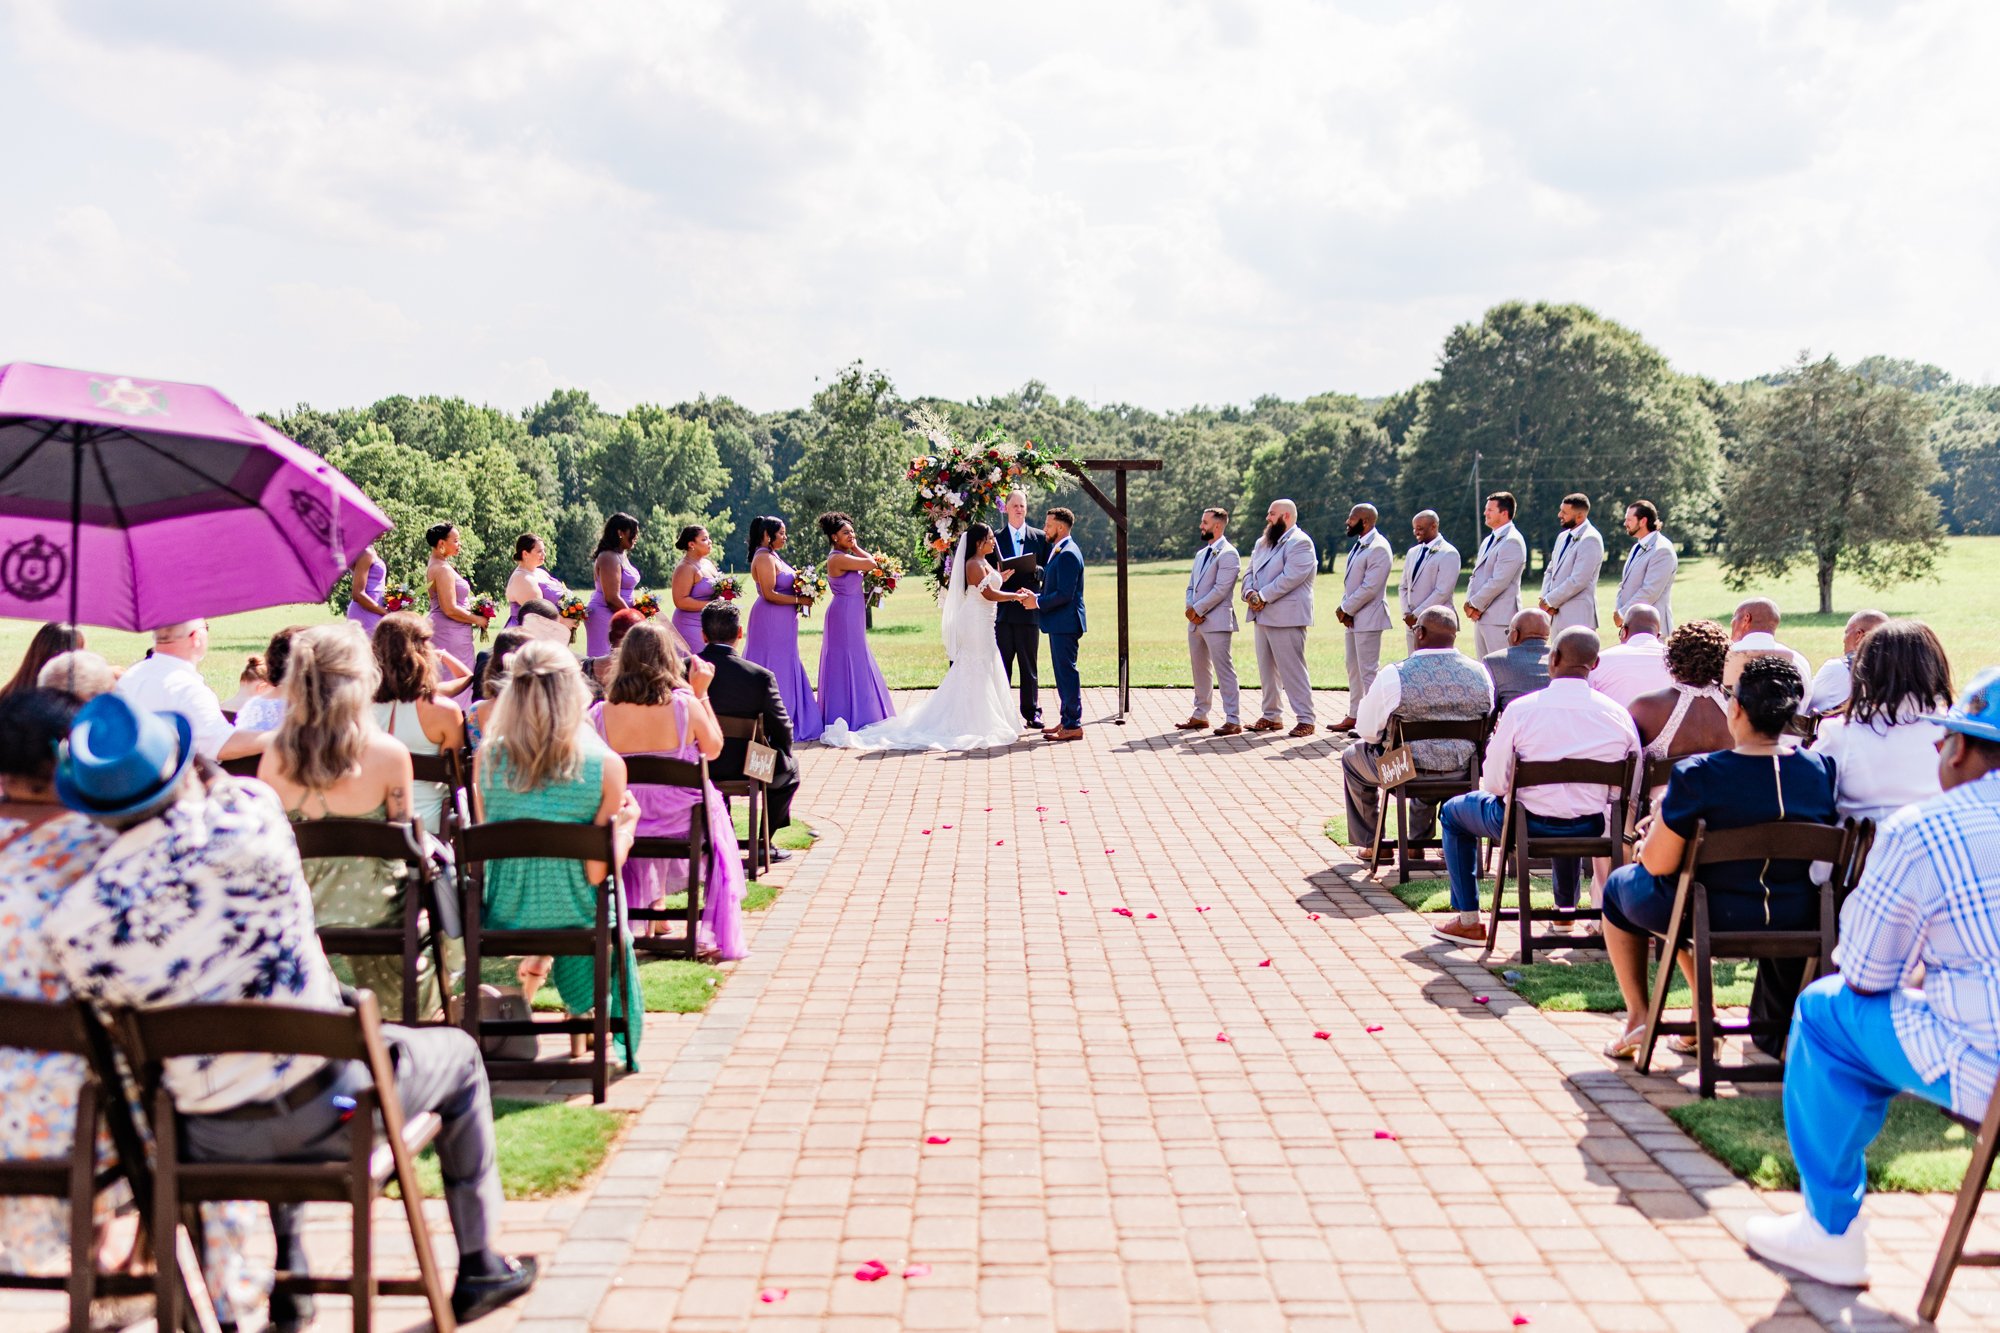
{"type": "Point", "coordinates": [1110, 851]}
{"type": "Point", "coordinates": [989, 809]}
{"type": "Point", "coordinates": [1083, 791]}
{"type": "Point", "coordinates": [1062, 821]}
{"type": "Point", "coordinates": [1482, 999]}
{"type": "Point", "coordinates": [1062, 893]}
{"type": "Point", "coordinates": [1201, 909]}
{"type": "Point", "coordinates": [1520, 1319]}
{"type": "Point", "coordinates": [1265, 963]}
{"type": "Point", "coordinates": [1040, 809]}
{"type": "Point", "coordinates": [946, 826]}
{"type": "Point", "coordinates": [917, 1270]}
{"type": "Point", "coordinates": [1374, 1027]}
{"type": "Point", "coordinates": [1152, 916]}
{"type": "Point", "coordinates": [926, 832]}
{"type": "Point", "coordinates": [1222, 1036]}
{"type": "Point", "coordinates": [1000, 842]}
{"type": "Point", "coordinates": [1121, 911]}
{"type": "Point", "coordinates": [1312, 916]}
{"type": "Point", "coordinates": [937, 918]}
{"type": "Point", "coordinates": [772, 1295]}
{"type": "Point", "coordinates": [872, 1271]}
{"type": "Point", "coordinates": [1384, 1134]}
{"type": "Point", "coordinates": [1324, 1036]}
{"type": "Point", "coordinates": [937, 1138]}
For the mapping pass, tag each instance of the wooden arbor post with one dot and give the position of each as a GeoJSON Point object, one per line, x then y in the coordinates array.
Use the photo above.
{"type": "Point", "coordinates": [1115, 507]}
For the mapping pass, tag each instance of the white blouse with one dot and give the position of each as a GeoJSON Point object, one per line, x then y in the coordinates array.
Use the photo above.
{"type": "Point", "coordinates": [1882, 767]}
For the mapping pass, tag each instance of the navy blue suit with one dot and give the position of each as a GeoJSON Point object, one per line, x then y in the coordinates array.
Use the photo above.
{"type": "Point", "coordinates": [1062, 617]}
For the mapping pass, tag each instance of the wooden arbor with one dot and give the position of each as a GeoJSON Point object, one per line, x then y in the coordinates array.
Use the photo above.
{"type": "Point", "coordinates": [1114, 505]}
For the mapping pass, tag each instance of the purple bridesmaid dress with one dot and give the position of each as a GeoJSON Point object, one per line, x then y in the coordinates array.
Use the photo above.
{"type": "Point", "coordinates": [851, 687]}
{"type": "Point", "coordinates": [452, 636]}
{"type": "Point", "coordinates": [597, 617]}
{"type": "Point", "coordinates": [547, 587]}
{"type": "Point", "coordinates": [378, 579]}
{"type": "Point", "coordinates": [772, 642]}
{"type": "Point", "coordinates": [688, 623]}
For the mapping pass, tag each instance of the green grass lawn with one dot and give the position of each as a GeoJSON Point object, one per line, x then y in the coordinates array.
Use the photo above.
{"type": "Point", "coordinates": [1918, 1151]}
{"type": "Point", "coordinates": [544, 1147]}
{"type": "Point", "coordinates": [1590, 987]}
{"type": "Point", "coordinates": [1958, 604]}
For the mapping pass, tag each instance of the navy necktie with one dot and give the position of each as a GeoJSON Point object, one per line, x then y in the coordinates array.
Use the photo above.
{"type": "Point", "coordinates": [1423, 552]}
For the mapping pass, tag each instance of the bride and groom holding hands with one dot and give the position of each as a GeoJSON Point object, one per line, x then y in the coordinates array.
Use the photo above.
{"type": "Point", "coordinates": [1006, 588]}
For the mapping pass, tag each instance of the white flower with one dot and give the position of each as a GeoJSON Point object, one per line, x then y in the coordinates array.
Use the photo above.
{"type": "Point", "coordinates": [957, 499]}
{"type": "Point", "coordinates": [993, 475]}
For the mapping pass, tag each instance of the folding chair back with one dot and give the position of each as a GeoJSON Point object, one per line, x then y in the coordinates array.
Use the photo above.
{"type": "Point", "coordinates": [692, 846]}
{"type": "Point", "coordinates": [375, 839]}
{"type": "Point", "coordinates": [757, 845]}
{"type": "Point", "coordinates": [479, 845]}
{"type": "Point", "coordinates": [1951, 1248]}
{"type": "Point", "coordinates": [242, 766]}
{"type": "Point", "coordinates": [1434, 789]}
{"type": "Point", "coordinates": [1617, 776]}
{"type": "Point", "coordinates": [152, 1037]}
{"type": "Point", "coordinates": [447, 769]}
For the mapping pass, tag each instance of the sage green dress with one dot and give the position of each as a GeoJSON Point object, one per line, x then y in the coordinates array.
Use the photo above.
{"type": "Point", "coordinates": [365, 891]}
{"type": "Point", "coordinates": [538, 895]}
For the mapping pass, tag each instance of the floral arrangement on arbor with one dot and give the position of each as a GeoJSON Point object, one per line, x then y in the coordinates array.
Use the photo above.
{"type": "Point", "coordinates": [574, 607]}
{"type": "Point", "coordinates": [647, 603]}
{"type": "Point", "coordinates": [398, 597]}
{"type": "Point", "coordinates": [959, 484]}
{"type": "Point", "coordinates": [728, 587]}
{"type": "Point", "coordinates": [879, 582]}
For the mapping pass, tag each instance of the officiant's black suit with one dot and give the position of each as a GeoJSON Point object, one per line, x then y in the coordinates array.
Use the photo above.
{"type": "Point", "coordinates": [741, 688]}
{"type": "Point", "coordinates": [1018, 629]}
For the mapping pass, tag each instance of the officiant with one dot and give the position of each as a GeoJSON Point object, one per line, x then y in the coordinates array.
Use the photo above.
{"type": "Point", "coordinates": [1023, 552]}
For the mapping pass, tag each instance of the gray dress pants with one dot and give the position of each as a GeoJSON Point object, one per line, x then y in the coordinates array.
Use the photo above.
{"type": "Point", "coordinates": [1209, 654]}
{"type": "Point", "coordinates": [1281, 665]}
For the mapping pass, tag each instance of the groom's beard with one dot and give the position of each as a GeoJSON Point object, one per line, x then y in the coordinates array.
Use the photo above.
{"type": "Point", "coordinates": [1274, 532]}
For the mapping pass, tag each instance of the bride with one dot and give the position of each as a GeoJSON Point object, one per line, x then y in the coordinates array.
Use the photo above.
{"type": "Point", "coordinates": [972, 708]}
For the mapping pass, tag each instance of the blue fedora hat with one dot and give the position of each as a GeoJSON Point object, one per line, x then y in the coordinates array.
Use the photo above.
{"type": "Point", "coordinates": [1977, 712]}
{"type": "Point", "coordinates": [120, 761]}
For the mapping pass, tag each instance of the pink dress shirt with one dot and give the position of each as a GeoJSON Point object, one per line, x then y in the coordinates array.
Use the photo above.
{"type": "Point", "coordinates": [1568, 720]}
{"type": "Point", "coordinates": [1635, 667]}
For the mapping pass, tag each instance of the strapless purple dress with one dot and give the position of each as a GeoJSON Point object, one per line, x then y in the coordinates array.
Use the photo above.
{"type": "Point", "coordinates": [547, 587]}
{"type": "Point", "coordinates": [851, 687]}
{"type": "Point", "coordinates": [688, 623]}
{"type": "Point", "coordinates": [378, 579]}
{"type": "Point", "coordinates": [452, 636]}
{"type": "Point", "coordinates": [772, 642]}
{"type": "Point", "coordinates": [597, 617]}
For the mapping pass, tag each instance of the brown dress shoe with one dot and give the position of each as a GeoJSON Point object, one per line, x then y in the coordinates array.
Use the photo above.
{"type": "Point", "coordinates": [1266, 724]}
{"type": "Point", "coordinates": [1229, 729]}
{"type": "Point", "coordinates": [1302, 729]}
{"type": "Point", "coordinates": [1068, 734]}
{"type": "Point", "coordinates": [1345, 724]}
{"type": "Point", "coordinates": [1192, 724]}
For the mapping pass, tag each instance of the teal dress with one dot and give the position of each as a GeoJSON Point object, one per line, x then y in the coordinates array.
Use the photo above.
{"type": "Point", "coordinates": [540, 895]}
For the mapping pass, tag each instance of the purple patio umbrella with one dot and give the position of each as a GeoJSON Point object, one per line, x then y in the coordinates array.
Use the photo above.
{"type": "Point", "coordinates": [138, 503]}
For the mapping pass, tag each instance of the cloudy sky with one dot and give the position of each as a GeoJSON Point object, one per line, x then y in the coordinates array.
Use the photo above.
{"type": "Point", "coordinates": [1164, 202]}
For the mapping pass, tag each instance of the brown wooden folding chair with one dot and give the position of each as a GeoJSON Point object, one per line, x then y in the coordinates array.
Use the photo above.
{"type": "Point", "coordinates": [1971, 1191]}
{"type": "Point", "coordinates": [376, 839]}
{"type": "Point", "coordinates": [1524, 848]}
{"type": "Point", "coordinates": [757, 845]}
{"type": "Point", "coordinates": [152, 1037]}
{"type": "Point", "coordinates": [447, 768]}
{"type": "Point", "coordinates": [651, 770]}
{"type": "Point", "coordinates": [1432, 788]}
{"type": "Point", "coordinates": [242, 766]}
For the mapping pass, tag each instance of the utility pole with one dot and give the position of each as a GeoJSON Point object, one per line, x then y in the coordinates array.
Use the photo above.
{"type": "Point", "coordinates": [1478, 507]}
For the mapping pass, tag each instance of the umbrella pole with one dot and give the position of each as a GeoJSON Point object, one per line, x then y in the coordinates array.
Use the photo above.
{"type": "Point", "coordinates": [75, 540]}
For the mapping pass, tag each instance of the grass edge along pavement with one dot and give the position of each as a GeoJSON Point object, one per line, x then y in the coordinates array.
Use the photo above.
{"type": "Point", "coordinates": [544, 1147]}
{"type": "Point", "coordinates": [1920, 1150]}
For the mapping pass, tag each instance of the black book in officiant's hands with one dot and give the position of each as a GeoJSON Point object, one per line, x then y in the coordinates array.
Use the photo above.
{"type": "Point", "coordinates": [1020, 564]}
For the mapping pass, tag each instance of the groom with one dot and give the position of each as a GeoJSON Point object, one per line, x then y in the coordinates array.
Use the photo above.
{"type": "Point", "coordinates": [1061, 611]}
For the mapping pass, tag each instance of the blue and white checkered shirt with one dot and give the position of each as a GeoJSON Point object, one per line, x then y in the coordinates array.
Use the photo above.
{"type": "Point", "coordinates": [1929, 900]}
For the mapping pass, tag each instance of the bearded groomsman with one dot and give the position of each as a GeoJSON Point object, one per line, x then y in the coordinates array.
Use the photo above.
{"type": "Point", "coordinates": [1278, 589]}
{"type": "Point", "coordinates": [1430, 573]}
{"type": "Point", "coordinates": [1649, 566]}
{"type": "Point", "coordinates": [1493, 593]}
{"type": "Point", "coordinates": [1364, 606]}
{"type": "Point", "coordinates": [1569, 585]}
{"type": "Point", "coordinates": [1211, 617]}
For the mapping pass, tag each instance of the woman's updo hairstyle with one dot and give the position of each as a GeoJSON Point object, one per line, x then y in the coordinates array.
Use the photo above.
{"type": "Point", "coordinates": [437, 532]}
{"type": "Point", "coordinates": [830, 524]}
{"type": "Point", "coordinates": [689, 536]}
{"type": "Point", "coordinates": [525, 543]}
{"type": "Point", "coordinates": [1769, 692]}
{"type": "Point", "coordinates": [762, 529]}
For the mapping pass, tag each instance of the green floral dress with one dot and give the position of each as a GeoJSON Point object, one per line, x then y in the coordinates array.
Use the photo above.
{"type": "Point", "coordinates": [539, 895]}
{"type": "Point", "coordinates": [365, 891]}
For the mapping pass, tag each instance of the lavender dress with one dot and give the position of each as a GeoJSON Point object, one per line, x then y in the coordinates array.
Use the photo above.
{"type": "Point", "coordinates": [772, 642]}
{"type": "Point", "coordinates": [851, 687]}
{"type": "Point", "coordinates": [453, 636]}
{"type": "Point", "coordinates": [597, 617]}
{"type": "Point", "coordinates": [688, 623]}
{"type": "Point", "coordinates": [547, 586]}
{"type": "Point", "coordinates": [664, 813]}
{"type": "Point", "coordinates": [378, 579]}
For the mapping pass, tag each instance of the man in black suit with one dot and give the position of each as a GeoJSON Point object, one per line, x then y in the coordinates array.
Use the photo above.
{"type": "Point", "coordinates": [1018, 628]}
{"type": "Point", "coordinates": [744, 689]}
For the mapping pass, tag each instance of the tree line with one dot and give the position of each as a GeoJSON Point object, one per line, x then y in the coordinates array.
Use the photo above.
{"type": "Point", "coordinates": [1859, 468]}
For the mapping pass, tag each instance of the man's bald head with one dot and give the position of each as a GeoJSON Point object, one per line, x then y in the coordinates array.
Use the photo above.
{"type": "Point", "coordinates": [1640, 619]}
{"type": "Point", "coordinates": [1437, 627]}
{"type": "Point", "coordinates": [1858, 626]}
{"type": "Point", "coordinates": [1575, 653]}
{"type": "Point", "coordinates": [1364, 514]}
{"type": "Point", "coordinates": [1533, 623]}
{"type": "Point", "coordinates": [1425, 525]}
{"type": "Point", "coordinates": [1755, 615]}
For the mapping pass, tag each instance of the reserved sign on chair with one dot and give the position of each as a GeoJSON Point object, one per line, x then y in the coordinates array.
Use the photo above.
{"type": "Point", "coordinates": [760, 763]}
{"type": "Point", "coordinates": [1395, 767]}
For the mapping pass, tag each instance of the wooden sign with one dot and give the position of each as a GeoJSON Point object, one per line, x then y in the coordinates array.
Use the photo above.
{"type": "Point", "coordinates": [760, 763]}
{"type": "Point", "coordinates": [1395, 767]}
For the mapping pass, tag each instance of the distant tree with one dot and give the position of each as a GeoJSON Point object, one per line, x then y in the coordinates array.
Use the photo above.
{"type": "Point", "coordinates": [1400, 412]}
{"type": "Point", "coordinates": [663, 470]}
{"type": "Point", "coordinates": [745, 454]}
{"type": "Point", "coordinates": [567, 412]}
{"type": "Point", "coordinates": [1966, 435]}
{"type": "Point", "coordinates": [1916, 376]}
{"type": "Point", "coordinates": [1834, 471]}
{"type": "Point", "coordinates": [1334, 462]}
{"type": "Point", "coordinates": [854, 461]}
{"type": "Point", "coordinates": [505, 504]}
{"type": "Point", "coordinates": [414, 491]}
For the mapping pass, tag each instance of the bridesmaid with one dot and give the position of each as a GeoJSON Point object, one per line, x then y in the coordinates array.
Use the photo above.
{"type": "Point", "coordinates": [851, 687]}
{"type": "Point", "coordinates": [615, 582]}
{"type": "Point", "coordinates": [772, 641]}
{"type": "Point", "coordinates": [451, 622]}
{"type": "Point", "coordinates": [531, 578]}
{"type": "Point", "coordinates": [694, 584]}
{"type": "Point", "coordinates": [371, 576]}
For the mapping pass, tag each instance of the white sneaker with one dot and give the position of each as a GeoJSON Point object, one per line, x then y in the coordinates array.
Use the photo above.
{"type": "Point", "coordinates": [1797, 1241]}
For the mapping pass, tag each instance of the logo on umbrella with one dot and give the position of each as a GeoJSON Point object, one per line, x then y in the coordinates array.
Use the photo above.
{"type": "Point", "coordinates": [312, 512]}
{"type": "Point", "coordinates": [134, 400]}
{"type": "Point", "coordinates": [33, 569]}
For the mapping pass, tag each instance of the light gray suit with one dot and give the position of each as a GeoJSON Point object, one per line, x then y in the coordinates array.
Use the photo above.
{"type": "Point", "coordinates": [1365, 598]}
{"type": "Point", "coordinates": [1283, 576]}
{"type": "Point", "coordinates": [1649, 578]}
{"type": "Point", "coordinates": [1569, 584]}
{"type": "Point", "coordinates": [1210, 585]}
{"type": "Point", "coordinates": [1430, 578]}
{"type": "Point", "coordinates": [1494, 589]}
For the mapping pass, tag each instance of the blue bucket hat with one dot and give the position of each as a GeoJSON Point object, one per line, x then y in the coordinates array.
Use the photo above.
{"type": "Point", "coordinates": [1977, 712]}
{"type": "Point", "coordinates": [120, 761]}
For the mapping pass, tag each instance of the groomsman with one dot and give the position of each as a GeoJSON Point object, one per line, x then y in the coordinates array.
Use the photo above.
{"type": "Point", "coordinates": [1018, 629]}
{"type": "Point", "coordinates": [1649, 566]}
{"type": "Point", "coordinates": [1211, 617]}
{"type": "Point", "coordinates": [1364, 606]}
{"type": "Point", "coordinates": [1569, 584]}
{"type": "Point", "coordinates": [1278, 589]}
{"type": "Point", "coordinates": [1430, 573]}
{"type": "Point", "coordinates": [1493, 593]}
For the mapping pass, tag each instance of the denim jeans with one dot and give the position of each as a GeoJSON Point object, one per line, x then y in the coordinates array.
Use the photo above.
{"type": "Point", "coordinates": [1475, 815]}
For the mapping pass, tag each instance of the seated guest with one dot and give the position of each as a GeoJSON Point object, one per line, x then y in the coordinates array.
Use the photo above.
{"type": "Point", "coordinates": [1638, 665]}
{"type": "Point", "coordinates": [1834, 682]}
{"type": "Point", "coordinates": [1885, 745]}
{"type": "Point", "coordinates": [1756, 781]}
{"type": "Point", "coordinates": [1689, 716]}
{"type": "Point", "coordinates": [329, 760]}
{"type": "Point", "coordinates": [250, 684]}
{"type": "Point", "coordinates": [597, 670]}
{"type": "Point", "coordinates": [200, 901]}
{"type": "Point", "coordinates": [651, 708]}
{"type": "Point", "coordinates": [1522, 667]}
{"type": "Point", "coordinates": [81, 674]}
{"type": "Point", "coordinates": [742, 688]}
{"type": "Point", "coordinates": [1435, 683]}
{"type": "Point", "coordinates": [51, 641]}
{"type": "Point", "coordinates": [1913, 1008]}
{"type": "Point", "coordinates": [1567, 720]}
{"type": "Point", "coordinates": [488, 680]}
{"type": "Point", "coordinates": [542, 619]}
{"type": "Point", "coordinates": [170, 682]}
{"type": "Point", "coordinates": [541, 760]}
{"type": "Point", "coordinates": [1753, 632]}
{"type": "Point", "coordinates": [407, 705]}
{"type": "Point", "coordinates": [264, 710]}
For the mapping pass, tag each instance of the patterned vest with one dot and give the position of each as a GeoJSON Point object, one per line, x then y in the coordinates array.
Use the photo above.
{"type": "Point", "coordinates": [1442, 687]}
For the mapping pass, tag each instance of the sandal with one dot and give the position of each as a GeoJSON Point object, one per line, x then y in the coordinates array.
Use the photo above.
{"type": "Point", "coordinates": [1627, 1046]}
{"type": "Point", "coordinates": [1687, 1045]}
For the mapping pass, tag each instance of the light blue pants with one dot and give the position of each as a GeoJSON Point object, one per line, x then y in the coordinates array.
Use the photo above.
{"type": "Point", "coordinates": [1843, 1066]}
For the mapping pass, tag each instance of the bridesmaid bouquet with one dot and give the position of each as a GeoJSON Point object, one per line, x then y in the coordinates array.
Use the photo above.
{"type": "Point", "coordinates": [398, 597]}
{"type": "Point", "coordinates": [484, 607]}
{"type": "Point", "coordinates": [880, 582]}
{"type": "Point", "coordinates": [809, 583]}
{"type": "Point", "coordinates": [574, 607]}
{"type": "Point", "coordinates": [647, 604]}
{"type": "Point", "coordinates": [728, 587]}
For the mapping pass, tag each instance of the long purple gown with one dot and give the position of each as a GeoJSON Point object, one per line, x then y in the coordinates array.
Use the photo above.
{"type": "Point", "coordinates": [772, 642]}
{"type": "Point", "coordinates": [597, 617]}
{"type": "Point", "coordinates": [851, 687]}
{"type": "Point", "coordinates": [377, 580]}
{"type": "Point", "coordinates": [664, 813]}
{"type": "Point", "coordinates": [453, 636]}
{"type": "Point", "coordinates": [688, 623]}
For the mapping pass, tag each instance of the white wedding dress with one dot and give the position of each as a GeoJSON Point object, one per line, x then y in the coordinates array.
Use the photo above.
{"type": "Point", "coordinates": [972, 708]}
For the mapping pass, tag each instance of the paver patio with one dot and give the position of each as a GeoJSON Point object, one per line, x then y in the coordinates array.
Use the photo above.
{"type": "Point", "coordinates": [937, 968]}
